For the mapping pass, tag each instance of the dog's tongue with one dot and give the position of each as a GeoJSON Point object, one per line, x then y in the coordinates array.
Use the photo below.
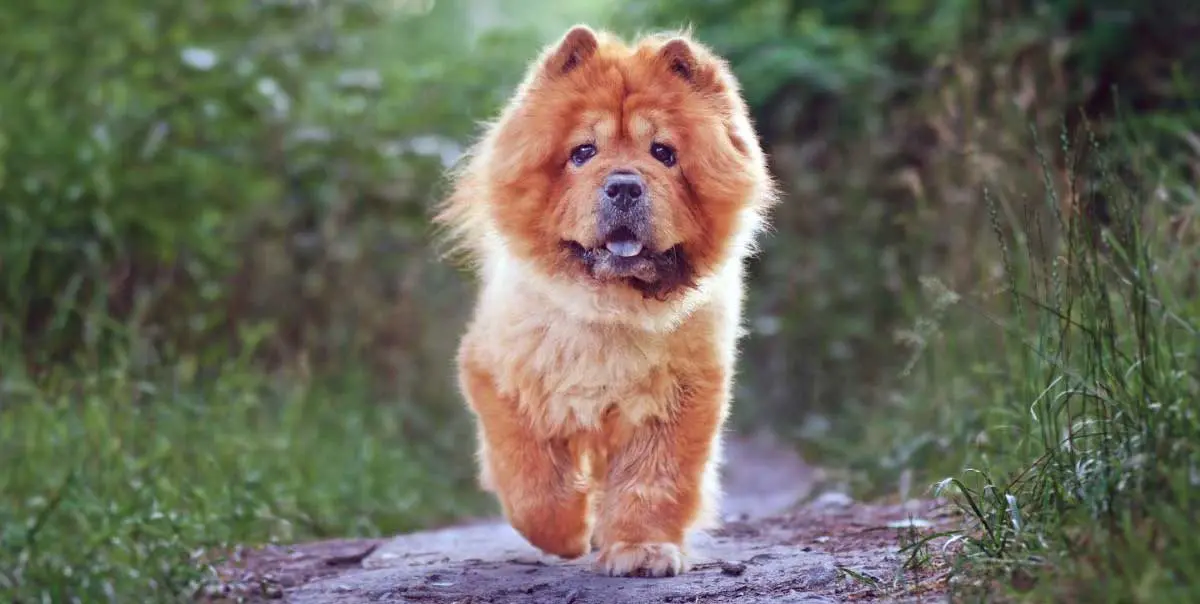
{"type": "Point", "coordinates": [624, 249]}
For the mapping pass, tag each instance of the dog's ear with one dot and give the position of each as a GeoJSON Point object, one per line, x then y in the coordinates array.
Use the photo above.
{"type": "Point", "coordinates": [708, 74]}
{"type": "Point", "coordinates": [691, 63]}
{"type": "Point", "coordinates": [573, 50]}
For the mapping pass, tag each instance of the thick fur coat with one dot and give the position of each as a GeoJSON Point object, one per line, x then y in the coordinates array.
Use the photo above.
{"type": "Point", "coordinates": [608, 212]}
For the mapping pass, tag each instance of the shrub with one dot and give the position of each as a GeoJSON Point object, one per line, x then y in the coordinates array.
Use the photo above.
{"type": "Point", "coordinates": [175, 176]}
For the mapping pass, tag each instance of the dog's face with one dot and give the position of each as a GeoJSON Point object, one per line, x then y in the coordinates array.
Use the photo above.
{"type": "Point", "coordinates": [628, 168]}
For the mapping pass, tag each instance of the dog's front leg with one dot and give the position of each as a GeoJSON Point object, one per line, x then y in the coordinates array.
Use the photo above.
{"type": "Point", "coordinates": [538, 479]}
{"type": "Point", "coordinates": [660, 483]}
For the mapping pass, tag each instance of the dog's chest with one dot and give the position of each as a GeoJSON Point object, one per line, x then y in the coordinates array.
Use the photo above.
{"type": "Point", "coordinates": [570, 375]}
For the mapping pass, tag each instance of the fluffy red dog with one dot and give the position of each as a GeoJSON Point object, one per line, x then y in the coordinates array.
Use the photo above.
{"type": "Point", "coordinates": [609, 210]}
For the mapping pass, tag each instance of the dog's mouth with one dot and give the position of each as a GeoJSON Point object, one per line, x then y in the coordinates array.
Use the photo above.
{"type": "Point", "coordinates": [623, 243]}
{"type": "Point", "coordinates": [622, 255]}
{"type": "Point", "coordinates": [618, 255]}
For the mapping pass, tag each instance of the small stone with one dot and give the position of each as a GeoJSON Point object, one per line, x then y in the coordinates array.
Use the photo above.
{"type": "Point", "coordinates": [832, 500]}
{"type": "Point", "coordinates": [733, 569]}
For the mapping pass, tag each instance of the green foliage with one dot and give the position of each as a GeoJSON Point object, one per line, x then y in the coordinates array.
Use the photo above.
{"type": "Point", "coordinates": [1084, 465]}
{"type": "Point", "coordinates": [120, 149]}
{"type": "Point", "coordinates": [129, 487]}
{"type": "Point", "coordinates": [881, 49]}
{"type": "Point", "coordinates": [143, 144]}
{"type": "Point", "coordinates": [1060, 393]}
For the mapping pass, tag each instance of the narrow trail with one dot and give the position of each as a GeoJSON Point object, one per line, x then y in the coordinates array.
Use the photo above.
{"type": "Point", "coordinates": [772, 548]}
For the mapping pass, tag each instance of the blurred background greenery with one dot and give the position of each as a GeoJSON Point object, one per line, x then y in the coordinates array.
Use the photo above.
{"type": "Point", "coordinates": [222, 321]}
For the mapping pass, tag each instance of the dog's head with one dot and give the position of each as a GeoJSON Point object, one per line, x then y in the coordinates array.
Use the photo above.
{"type": "Point", "coordinates": [632, 171]}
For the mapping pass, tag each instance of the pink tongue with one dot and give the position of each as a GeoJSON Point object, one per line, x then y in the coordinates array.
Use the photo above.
{"type": "Point", "coordinates": [624, 249]}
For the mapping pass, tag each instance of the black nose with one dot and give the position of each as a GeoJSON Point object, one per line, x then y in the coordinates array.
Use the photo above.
{"type": "Point", "coordinates": [623, 189]}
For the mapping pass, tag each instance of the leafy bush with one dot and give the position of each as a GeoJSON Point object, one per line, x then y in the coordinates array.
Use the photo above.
{"type": "Point", "coordinates": [157, 158]}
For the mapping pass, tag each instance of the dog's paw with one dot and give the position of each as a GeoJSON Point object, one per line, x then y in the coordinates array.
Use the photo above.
{"type": "Point", "coordinates": [623, 559]}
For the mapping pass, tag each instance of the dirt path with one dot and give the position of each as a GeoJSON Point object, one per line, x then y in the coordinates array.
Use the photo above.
{"type": "Point", "coordinates": [829, 549]}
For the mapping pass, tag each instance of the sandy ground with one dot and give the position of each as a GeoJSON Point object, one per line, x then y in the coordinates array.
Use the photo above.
{"type": "Point", "coordinates": [781, 543]}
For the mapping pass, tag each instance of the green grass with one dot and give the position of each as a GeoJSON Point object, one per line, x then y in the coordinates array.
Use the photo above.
{"type": "Point", "coordinates": [1059, 405]}
{"type": "Point", "coordinates": [118, 486]}
{"type": "Point", "coordinates": [1090, 465]}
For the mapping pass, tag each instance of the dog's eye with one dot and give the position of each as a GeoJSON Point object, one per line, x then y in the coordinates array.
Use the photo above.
{"type": "Point", "coordinates": [581, 154]}
{"type": "Point", "coordinates": [663, 153]}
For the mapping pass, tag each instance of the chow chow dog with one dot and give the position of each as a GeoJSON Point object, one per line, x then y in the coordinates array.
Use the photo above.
{"type": "Point", "coordinates": [608, 211]}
